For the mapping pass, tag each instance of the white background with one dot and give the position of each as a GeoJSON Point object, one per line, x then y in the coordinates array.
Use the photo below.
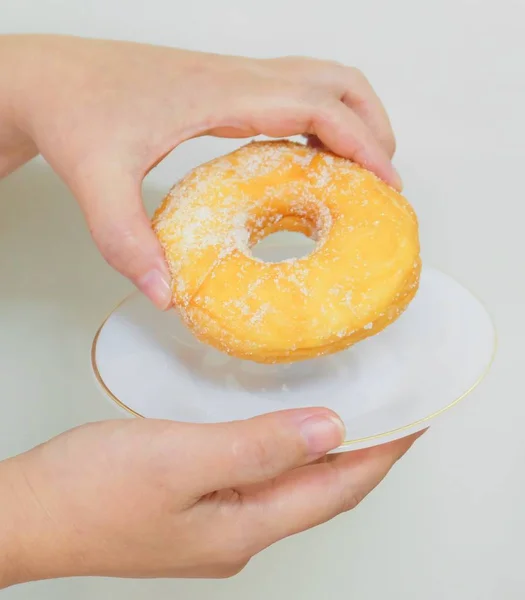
{"type": "Point", "coordinates": [449, 521]}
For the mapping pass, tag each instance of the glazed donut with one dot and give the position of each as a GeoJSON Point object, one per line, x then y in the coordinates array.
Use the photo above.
{"type": "Point", "coordinates": [360, 277]}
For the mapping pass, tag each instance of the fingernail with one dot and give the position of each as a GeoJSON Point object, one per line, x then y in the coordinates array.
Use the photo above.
{"type": "Point", "coordinates": [322, 433]}
{"type": "Point", "coordinates": [156, 286]}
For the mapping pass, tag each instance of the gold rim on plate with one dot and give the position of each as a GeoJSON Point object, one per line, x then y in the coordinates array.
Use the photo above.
{"type": "Point", "coordinates": [346, 443]}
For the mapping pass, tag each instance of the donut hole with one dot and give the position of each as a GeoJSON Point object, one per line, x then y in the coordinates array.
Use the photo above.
{"type": "Point", "coordinates": [283, 245]}
{"type": "Point", "coordinates": [287, 231]}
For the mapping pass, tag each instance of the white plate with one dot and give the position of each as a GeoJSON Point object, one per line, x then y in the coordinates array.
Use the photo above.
{"type": "Point", "coordinates": [384, 388]}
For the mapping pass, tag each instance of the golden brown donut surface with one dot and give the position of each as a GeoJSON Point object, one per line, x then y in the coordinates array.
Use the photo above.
{"type": "Point", "coordinates": [360, 277]}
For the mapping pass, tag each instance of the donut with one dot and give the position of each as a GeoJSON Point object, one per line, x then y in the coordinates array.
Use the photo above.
{"type": "Point", "coordinates": [360, 277]}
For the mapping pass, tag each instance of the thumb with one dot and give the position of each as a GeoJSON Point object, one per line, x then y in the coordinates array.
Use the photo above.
{"type": "Point", "coordinates": [111, 201]}
{"type": "Point", "coordinates": [255, 450]}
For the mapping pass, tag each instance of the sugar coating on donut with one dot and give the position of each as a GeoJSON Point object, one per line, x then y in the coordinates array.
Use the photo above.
{"type": "Point", "coordinates": [361, 275]}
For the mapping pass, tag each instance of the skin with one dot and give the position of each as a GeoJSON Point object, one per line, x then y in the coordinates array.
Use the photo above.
{"type": "Point", "coordinates": [151, 498]}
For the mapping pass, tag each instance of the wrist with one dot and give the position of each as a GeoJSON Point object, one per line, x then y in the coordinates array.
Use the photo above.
{"type": "Point", "coordinates": [11, 554]}
{"type": "Point", "coordinates": [33, 544]}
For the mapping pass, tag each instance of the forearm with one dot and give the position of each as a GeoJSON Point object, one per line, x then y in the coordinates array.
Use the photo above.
{"type": "Point", "coordinates": [16, 147]}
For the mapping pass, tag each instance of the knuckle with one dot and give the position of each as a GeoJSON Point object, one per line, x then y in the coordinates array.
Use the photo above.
{"type": "Point", "coordinates": [240, 554]}
{"type": "Point", "coordinates": [111, 233]}
{"type": "Point", "coordinates": [322, 113]}
{"type": "Point", "coordinates": [232, 569]}
{"type": "Point", "coordinates": [391, 144]}
{"type": "Point", "coordinates": [313, 70]}
{"type": "Point", "coordinates": [336, 64]}
{"type": "Point", "coordinates": [118, 243]}
{"type": "Point", "coordinates": [346, 495]}
{"type": "Point", "coordinates": [385, 137]}
{"type": "Point", "coordinates": [261, 456]}
{"type": "Point", "coordinates": [357, 76]}
{"type": "Point", "coordinates": [231, 547]}
{"type": "Point", "coordinates": [295, 60]}
{"type": "Point", "coordinates": [240, 546]}
{"type": "Point", "coordinates": [264, 453]}
{"type": "Point", "coordinates": [350, 500]}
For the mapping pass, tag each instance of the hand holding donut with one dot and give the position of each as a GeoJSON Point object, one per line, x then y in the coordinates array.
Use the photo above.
{"type": "Point", "coordinates": [103, 113]}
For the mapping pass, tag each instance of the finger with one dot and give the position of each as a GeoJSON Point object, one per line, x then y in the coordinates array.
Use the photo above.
{"type": "Point", "coordinates": [343, 132]}
{"type": "Point", "coordinates": [336, 126]}
{"type": "Point", "coordinates": [240, 453]}
{"type": "Point", "coordinates": [314, 494]}
{"type": "Point", "coordinates": [361, 97]}
{"type": "Point", "coordinates": [112, 204]}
